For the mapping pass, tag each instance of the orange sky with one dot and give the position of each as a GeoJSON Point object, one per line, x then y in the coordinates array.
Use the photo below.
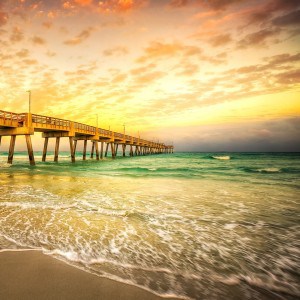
{"type": "Point", "coordinates": [216, 74]}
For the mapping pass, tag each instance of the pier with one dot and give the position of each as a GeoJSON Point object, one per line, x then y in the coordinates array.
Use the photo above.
{"type": "Point", "coordinates": [26, 124]}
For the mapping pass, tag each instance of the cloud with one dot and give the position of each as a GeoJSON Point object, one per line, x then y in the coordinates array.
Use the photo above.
{"type": "Point", "coordinates": [38, 40]}
{"type": "Point", "coordinates": [283, 59]}
{"type": "Point", "coordinates": [17, 35]}
{"type": "Point", "coordinates": [23, 53]}
{"type": "Point", "coordinates": [3, 18]}
{"type": "Point", "coordinates": [110, 6]}
{"type": "Point", "coordinates": [220, 40]}
{"type": "Point", "coordinates": [290, 77]}
{"type": "Point", "coordinates": [80, 2]}
{"type": "Point", "coordinates": [221, 4]}
{"type": "Point", "coordinates": [147, 78]}
{"type": "Point", "coordinates": [141, 70]}
{"type": "Point", "coordinates": [29, 62]}
{"type": "Point", "coordinates": [291, 19]}
{"type": "Point", "coordinates": [280, 135]}
{"type": "Point", "coordinates": [178, 3]}
{"type": "Point", "coordinates": [81, 37]}
{"type": "Point", "coordinates": [275, 74]}
{"type": "Point", "coordinates": [214, 4]}
{"type": "Point", "coordinates": [188, 69]}
{"type": "Point", "coordinates": [116, 51]}
{"type": "Point", "coordinates": [47, 24]}
{"type": "Point", "coordinates": [50, 53]}
{"type": "Point", "coordinates": [257, 38]}
{"type": "Point", "coordinates": [262, 13]}
{"type": "Point", "coordinates": [158, 50]}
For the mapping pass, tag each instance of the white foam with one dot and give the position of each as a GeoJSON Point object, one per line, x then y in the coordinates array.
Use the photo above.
{"type": "Point", "coordinates": [5, 165]}
{"type": "Point", "coordinates": [225, 157]}
{"type": "Point", "coordinates": [270, 170]}
{"type": "Point", "coordinates": [230, 280]}
{"type": "Point", "coordinates": [230, 226]}
{"type": "Point", "coordinates": [18, 250]}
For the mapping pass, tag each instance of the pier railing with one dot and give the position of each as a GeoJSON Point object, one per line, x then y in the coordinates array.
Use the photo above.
{"type": "Point", "coordinates": [45, 121]}
{"type": "Point", "coordinates": [84, 128]}
{"type": "Point", "coordinates": [11, 117]}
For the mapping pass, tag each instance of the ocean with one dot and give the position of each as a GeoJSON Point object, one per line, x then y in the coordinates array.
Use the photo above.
{"type": "Point", "coordinates": [186, 225]}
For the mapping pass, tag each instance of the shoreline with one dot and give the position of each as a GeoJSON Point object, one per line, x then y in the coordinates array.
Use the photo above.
{"type": "Point", "coordinates": [30, 274]}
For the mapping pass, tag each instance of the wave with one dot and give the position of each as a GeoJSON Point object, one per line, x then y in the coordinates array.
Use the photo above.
{"type": "Point", "coordinates": [269, 170]}
{"type": "Point", "coordinates": [223, 157]}
{"type": "Point", "coordinates": [262, 170]}
{"type": "Point", "coordinates": [5, 165]}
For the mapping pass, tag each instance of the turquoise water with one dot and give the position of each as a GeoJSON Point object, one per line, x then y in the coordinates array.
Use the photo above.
{"type": "Point", "coordinates": [189, 225]}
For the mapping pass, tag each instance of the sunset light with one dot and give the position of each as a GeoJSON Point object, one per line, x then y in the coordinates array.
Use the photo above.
{"type": "Point", "coordinates": [155, 65]}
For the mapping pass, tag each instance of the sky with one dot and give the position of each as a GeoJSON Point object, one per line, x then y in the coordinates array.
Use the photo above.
{"type": "Point", "coordinates": [204, 75]}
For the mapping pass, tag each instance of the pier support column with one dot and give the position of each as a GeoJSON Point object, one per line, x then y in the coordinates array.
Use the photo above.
{"type": "Point", "coordinates": [84, 149]}
{"type": "Point", "coordinates": [29, 149]}
{"type": "Point", "coordinates": [0, 139]}
{"type": "Point", "coordinates": [75, 146]}
{"type": "Point", "coordinates": [72, 148]}
{"type": "Point", "coordinates": [93, 148]}
{"type": "Point", "coordinates": [11, 149]}
{"type": "Point", "coordinates": [106, 150]}
{"type": "Point", "coordinates": [131, 151]}
{"type": "Point", "coordinates": [97, 150]}
{"type": "Point", "coordinates": [56, 149]}
{"type": "Point", "coordinates": [124, 149]}
{"type": "Point", "coordinates": [116, 149]}
{"type": "Point", "coordinates": [101, 151]}
{"type": "Point", "coordinates": [112, 150]}
{"type": "Point", "coordinates": [45, 149]}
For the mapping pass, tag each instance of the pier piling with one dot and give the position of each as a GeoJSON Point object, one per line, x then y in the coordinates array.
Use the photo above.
{"type": "Point", "coordinates": [97, 150]}
{"type": "Point", "coordinates": [29, 149]}
{"type": "Point", "coordinates": [101, 151]}
{"type": "Point", "coordinates": [93, 148]}
{"type": "Point", "coordinates": [11, 149]}
{"type": "Point", "coordinates": [112, 150]}
{"type": "Point", "coordinates": [56, 149]}
{"type": "Point", "coordinates": [72, 148]}
{"type": "Point", "coordinates": [106, 150]}
{"type": "Point", "coordinates": [45, 149]}
{"type": "Point", "coordinates": [84, 149]}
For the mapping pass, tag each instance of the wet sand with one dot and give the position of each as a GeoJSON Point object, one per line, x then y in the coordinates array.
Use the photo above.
{"type": "Point", "coordinates": [33, 275]}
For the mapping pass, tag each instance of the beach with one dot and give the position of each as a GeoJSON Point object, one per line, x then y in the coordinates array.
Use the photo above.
{"type": "Point", "coordinates": [33, 275]}
{"type": "Point", "coordinates": [180, 226]}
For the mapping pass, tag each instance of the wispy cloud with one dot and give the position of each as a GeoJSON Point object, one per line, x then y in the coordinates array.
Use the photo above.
{"type": "Point", "coordinates": [23, 53]}
{"type": "Point", "coordinates": [3, 18]}
{"type": "Point", "coordinates": [116, 51]}
{"type": "Point", "coordinates": [80, 38]}
{"type": "Point", "coordinates": [220, 40]}
{"type": "Point", "coordinates": [258, 38]}
{"type": "Point", "coordinates": [291, 19]}
{"type": "Point", "coordinates": [37, 40]}
{"type": "Point", "coordinates": [17, 35]}
{"type": "Point", "coordinates": [159, 50]}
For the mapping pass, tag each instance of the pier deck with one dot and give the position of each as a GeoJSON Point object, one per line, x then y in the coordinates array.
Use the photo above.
{"type": "Point", "coordinates": [14, 124]}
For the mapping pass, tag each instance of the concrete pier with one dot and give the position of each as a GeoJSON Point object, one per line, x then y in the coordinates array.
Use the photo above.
{"type": "Point", "coordinates": [26, 124]}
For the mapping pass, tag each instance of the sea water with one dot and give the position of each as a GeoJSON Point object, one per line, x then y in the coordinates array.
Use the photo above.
{"type": "Point", "coordinates": [187, 225]}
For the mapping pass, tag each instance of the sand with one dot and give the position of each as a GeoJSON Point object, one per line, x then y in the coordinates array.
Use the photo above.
{"type": "Point", "coordinates": [33, 275]}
